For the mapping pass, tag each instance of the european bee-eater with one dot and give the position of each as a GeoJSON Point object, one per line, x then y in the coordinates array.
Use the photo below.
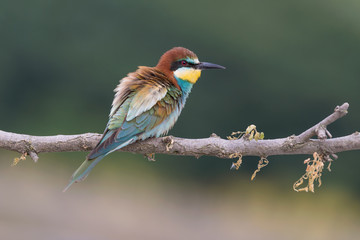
{"type": "Point", "coordinates": [147, 104]}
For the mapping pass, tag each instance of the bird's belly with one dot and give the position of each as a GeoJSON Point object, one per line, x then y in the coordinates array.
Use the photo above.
{"type": "Point", "coordinates": [163, 128]}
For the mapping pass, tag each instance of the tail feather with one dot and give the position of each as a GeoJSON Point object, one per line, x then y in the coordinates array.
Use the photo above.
{"type": "Point", "coordinates": [83, 171]}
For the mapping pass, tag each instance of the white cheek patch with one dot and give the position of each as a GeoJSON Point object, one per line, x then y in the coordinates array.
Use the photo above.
{"type": "Point", "coordinates": [181, 72]}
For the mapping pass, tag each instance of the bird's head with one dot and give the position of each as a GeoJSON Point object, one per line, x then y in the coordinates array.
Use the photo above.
{"type": "Point", "coordinates": [181, 63]}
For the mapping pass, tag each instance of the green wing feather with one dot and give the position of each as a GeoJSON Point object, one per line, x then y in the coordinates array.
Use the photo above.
{"type": "Point", "coordinates": [140, 108]}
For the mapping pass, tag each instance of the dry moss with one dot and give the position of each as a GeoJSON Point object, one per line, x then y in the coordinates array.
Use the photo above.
{"type": "Point", "coordinates": [249, 134]}
{"type": "Point", "coordinates": [313, 173]}
{"type": "Point", "coordinates": [17, 160]}
{"type": "Point", "coordinates": [263, 162]}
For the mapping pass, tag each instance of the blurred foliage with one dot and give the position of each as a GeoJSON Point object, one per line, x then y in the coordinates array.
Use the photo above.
{"type": "Point", "coordinates": [289, 63]}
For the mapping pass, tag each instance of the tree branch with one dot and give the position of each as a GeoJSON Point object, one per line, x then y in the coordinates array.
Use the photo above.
{"type": "Point", "coordinates": [320, 128]}
{"type": "Point", "coordinates": [212, 146]}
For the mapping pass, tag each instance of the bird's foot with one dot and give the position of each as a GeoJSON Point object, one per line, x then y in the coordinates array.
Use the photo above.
{"type": "Point", "coordinates": [169, 141]}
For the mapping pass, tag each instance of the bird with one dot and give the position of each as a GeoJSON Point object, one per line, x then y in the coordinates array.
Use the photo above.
{"type": "Point", "coordinates": [147, 103]}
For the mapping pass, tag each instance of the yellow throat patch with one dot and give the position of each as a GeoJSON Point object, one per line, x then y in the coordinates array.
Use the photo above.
{"type": "Point", "coordinates": [188, 74]}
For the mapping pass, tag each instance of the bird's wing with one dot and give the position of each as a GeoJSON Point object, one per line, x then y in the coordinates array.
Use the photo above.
{"type": "Point", "coordinates": [142, 111]}
{"type": "Point", "coordinates": [145, 105]}
{"type": "Point", "coordinates": [145, 99]}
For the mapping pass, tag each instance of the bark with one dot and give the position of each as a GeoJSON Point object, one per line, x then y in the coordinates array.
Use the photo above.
{"type": "Point", "coordinates": [212, 146]}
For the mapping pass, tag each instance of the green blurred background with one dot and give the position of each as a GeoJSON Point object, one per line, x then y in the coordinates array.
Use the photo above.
{"type": "Point", "coordinates": [289, 63]}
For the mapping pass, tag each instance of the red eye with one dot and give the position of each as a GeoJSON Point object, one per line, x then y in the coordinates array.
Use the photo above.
{"type": "Point", "coordinates": [183, 62]}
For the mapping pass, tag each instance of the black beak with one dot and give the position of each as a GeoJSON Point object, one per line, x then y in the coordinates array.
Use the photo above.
{"type": "Point", "coordinates": [206, 65]}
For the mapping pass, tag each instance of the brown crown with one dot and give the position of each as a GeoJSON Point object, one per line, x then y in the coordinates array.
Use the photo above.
{"type": "Point", "coordinates": [173, 55]}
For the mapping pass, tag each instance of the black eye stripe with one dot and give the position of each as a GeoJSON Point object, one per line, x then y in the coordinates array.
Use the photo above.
{"type": "Point", "coordinates": [179, 64]}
